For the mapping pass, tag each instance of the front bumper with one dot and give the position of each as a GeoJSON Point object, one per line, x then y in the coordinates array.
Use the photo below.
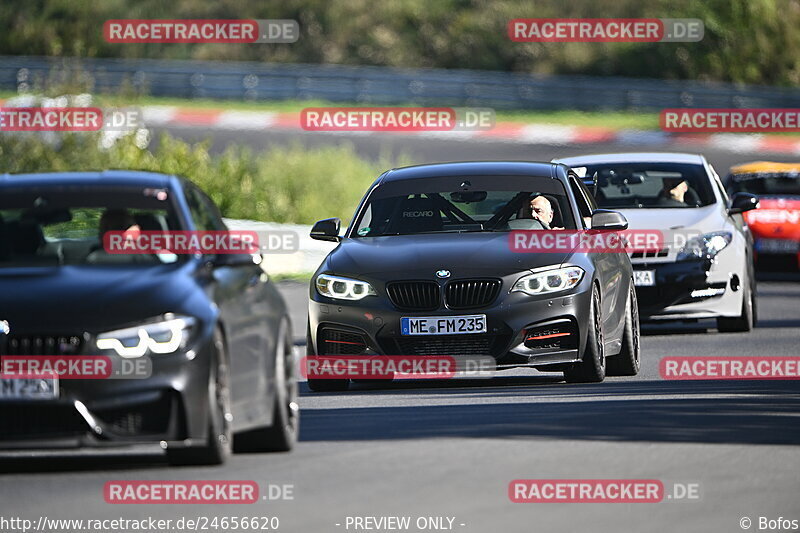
{"type": "Point", "coordinates": [688, 290]}
{"type": "Point", "coordinates": [375, 323]}
{"type": "Point", "coordinates": [168, 406]}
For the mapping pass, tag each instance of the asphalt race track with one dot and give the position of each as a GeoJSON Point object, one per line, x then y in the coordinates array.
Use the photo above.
{"type": "Point", "coordinates": [450, 449]}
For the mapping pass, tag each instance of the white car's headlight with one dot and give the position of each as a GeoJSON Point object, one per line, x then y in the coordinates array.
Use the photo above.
{"type": "Point", "coordinates": [549, 281]}
{"type": "Point", "coordinates": [166, 334]}
{"type": "Point", "coordinates": [343, 288]}
{"type": "Point", "coordinates": [707, 245]}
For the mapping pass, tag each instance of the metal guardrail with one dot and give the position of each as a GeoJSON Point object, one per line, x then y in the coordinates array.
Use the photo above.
{"type": "Point", "coordinates": [392, 86]}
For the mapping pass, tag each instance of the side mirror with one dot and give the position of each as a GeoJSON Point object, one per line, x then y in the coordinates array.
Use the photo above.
{"type": "Point", "coordinates": [742, 202]}
{"type": "Point", "coordinates": [327, 230]}
{"type": "Point", "coordinates": [603, 219]}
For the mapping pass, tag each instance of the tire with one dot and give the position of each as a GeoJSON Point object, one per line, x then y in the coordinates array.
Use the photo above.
{"type": "Point", "coordinates": [628, 361]}
{"type": "Point", "coordinates": [217, 447]}
{"type": "Point", "coordinates": [754, 306]}
{"type": "Point", "coordinates": [743, 322]}
{"type": "Point", "coordinates": [592, 368]}
{"type": "Point", "coordinates": [281, 435]}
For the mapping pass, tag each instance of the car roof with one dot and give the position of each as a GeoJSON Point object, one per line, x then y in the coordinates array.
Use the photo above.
{"type": "Point", "coordinates": [632, 157]}
{"type": "Point", "coordinates": [472, 168]}
{"type": "Point", "coordinates": [121, 178]}
{"type": "Point", "coordinates": [766, 167]}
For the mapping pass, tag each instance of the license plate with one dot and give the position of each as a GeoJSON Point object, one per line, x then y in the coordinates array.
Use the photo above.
{"type": "Point", "coordinates": [777, 246]}
{"type": "Point", "coordinates": [644, 278]}
{"type": "Point", "coordinates": [443, 325]}
{"type": "Point", "coordinates": [28, 388]}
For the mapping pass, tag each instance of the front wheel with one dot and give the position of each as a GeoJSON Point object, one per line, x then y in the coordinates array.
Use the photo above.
{"type": "Point", "coordinates": [743, 322]}
{"type": "Point", "coordinates": [628, 361]}
{"type": "Point", "coordinates": [592, 368]}
{"type": "Point", "coordinates": [281, 435]}
{"type": "Point", "coordinates": [217, 447]}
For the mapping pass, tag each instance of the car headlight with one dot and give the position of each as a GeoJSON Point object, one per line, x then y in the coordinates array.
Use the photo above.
{"type": "Point", "coordinates": [343, 288]}
{"type": "Point", "coordinates": [707, 245]}
{"type": "Point", "coordinates": [166, 334]}
{"type": "Point", "coordinates": [549, 281]}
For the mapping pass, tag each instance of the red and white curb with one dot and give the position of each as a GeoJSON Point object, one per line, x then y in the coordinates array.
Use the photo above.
{"type": "Point", "coordinates": [510, 132]}
{"type": "Point", "coordinates": [506, 132]}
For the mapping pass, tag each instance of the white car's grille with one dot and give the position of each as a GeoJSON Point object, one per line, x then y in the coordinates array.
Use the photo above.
{"type": "Point", "coordinates": [648, 254]}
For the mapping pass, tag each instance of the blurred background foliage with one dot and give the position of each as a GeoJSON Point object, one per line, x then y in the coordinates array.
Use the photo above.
{"type": "Point", "coordinates": [748, 41]}
{"type": "Point", "coordinates": [287, 184]}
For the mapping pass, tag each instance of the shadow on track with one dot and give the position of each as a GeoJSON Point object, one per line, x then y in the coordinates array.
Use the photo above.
{"type": "Point", "coordinates": [744, 412]}
{"type": "Point", "coordinates": [777, 275]}
{"type": "Point", "coordinates": [61, 461]}
{"type": "Point", "coordinates": [650, 329]}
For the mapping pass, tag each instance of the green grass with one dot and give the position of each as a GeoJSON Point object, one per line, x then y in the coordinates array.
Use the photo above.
{"type": "Point", "coordinates": [300, 277]}
{"type": "Point", "coordinates": [291, 184]}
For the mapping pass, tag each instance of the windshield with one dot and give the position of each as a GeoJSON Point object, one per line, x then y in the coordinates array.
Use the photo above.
{"type": "Point", "coordinates": [65, 228]}
{"type": "Point", "coordinates": [766, 184]}
{"type": "Point", "coordinates": [488, 203]}
{"type": "Point", "coordinates": [650, 185]}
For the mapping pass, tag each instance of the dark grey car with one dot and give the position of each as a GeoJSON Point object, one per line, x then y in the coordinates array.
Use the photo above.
{"type": "Point", "coordinates": [432, 243]}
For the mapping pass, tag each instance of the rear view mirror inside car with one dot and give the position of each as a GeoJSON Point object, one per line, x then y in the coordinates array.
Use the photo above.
{"type": "Point", "coordinates": [466, 197]}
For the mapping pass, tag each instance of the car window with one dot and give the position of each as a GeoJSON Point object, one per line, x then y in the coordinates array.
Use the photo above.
{"type": "Point", "coordinates": [582, 199]}
{"type": "Point", "coordinates": [67, 228]}
{"type": "Point", "coordinates": [441, 205]}
{"type": "Point", "coordinates": [212, 211]}
{"type": "Point", "coordinates": [587, 195]}
{"type": "Point", "coordinates": [766, 183]}
{"type": "Point", "coordinates": [651, 185]}
{"type": "Point", "coordinates": [202, 214]}
{"type": "Point", "coordinates": [718, 184]}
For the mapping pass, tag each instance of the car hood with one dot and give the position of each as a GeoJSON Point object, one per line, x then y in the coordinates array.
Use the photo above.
{"type": "Point", "coordinates": [674, 224]}
{"type": "Point", "coordinates": [775, 218]}
{"type": "Point", "coordinates": [414, 256]}
{"type": "Point", "coordinates": [89, 298]}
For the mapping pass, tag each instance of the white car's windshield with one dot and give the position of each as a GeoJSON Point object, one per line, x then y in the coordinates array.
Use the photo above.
{"type": "Point", "coordinates": [650, 185]}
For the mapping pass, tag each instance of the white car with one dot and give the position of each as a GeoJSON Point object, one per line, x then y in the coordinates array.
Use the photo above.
{"type": "Point", "coordinates": [702, 265]}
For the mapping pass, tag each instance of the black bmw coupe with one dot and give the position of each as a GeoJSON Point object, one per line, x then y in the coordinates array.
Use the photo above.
{"type": "Point", "coordinates": [212, 328]}
{"type": "Point", "coordinates": [428, 268]}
